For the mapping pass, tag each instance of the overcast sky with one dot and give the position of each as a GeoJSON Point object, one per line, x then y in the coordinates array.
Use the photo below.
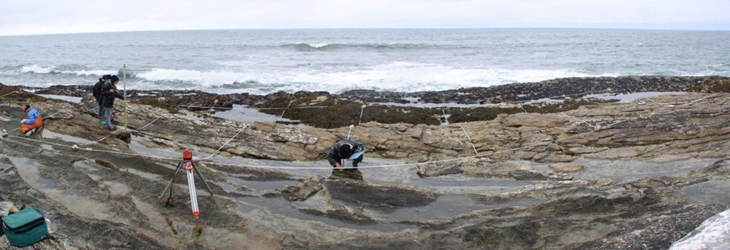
{"type": "Point", "coordinates": [22, 17]}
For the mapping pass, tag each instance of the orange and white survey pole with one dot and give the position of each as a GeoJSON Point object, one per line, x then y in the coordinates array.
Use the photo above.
{"type": "Point", "coordinates": [189, 166]}
{"type": "Point", "coordinates": [191, 188]}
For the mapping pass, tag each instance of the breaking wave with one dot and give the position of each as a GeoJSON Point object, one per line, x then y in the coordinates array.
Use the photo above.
{"type": "Point", "coordinates": [375, 46]}
{"type": "Point", "coordinates": [37, 69]}
{"type": "Point", "coordinates": [398, 76]}
{"type": "Point", "coordinates": [53, 70]}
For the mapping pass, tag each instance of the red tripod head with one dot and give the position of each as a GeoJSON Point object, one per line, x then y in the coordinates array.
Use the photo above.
{"type": "Point", "coordinates": [187, 155]}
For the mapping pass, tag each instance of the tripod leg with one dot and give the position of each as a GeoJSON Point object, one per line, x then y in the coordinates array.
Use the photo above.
{"type": "Point", "coordinates": [179, 165]}
{"type": "Point", "coordinates": [169, 199]}
{"type": "Point", "coordinates": [210, 190]}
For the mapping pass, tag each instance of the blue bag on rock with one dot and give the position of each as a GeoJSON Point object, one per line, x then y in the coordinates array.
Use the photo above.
{"type": "Point", "coordinates": [24, 228]}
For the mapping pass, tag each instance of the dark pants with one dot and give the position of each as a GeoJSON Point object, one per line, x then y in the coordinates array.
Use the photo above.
{"type": "Point", "coordinates": [101, 109]}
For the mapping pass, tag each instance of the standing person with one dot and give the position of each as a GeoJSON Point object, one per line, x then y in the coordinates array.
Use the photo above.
{"type": "Point", "coordinates": [96, 91]}
{"type": "Point", "coordinates": [345, 149]}
{"type": "Point", "coordinates": [109, 92]}
{"type": "Point", "coordinates": [33, 122]}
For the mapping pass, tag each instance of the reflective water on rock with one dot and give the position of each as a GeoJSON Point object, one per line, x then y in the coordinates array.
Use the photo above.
{"type": "Point", "coordinates": [243, 114]}
{"type": "Point", "coordinates": [64, 98]}
{"type": "Point", "coordinates": [373, 201]}
{"type": "Point", "coordinates": [621, 171]}
{"type": "Point", "coordinates": [75, 201]}
{"type": "Point", "coordinates": [710, 192]}
{"type": "Point", "coordinates": [53, 135]}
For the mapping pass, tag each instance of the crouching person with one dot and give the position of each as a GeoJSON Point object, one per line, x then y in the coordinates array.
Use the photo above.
{"type": "Point", "coordinates": [345, 149]}
{"type": "Point", "coordinates": [33, 122]}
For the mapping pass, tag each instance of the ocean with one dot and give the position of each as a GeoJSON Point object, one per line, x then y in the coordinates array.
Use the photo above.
{"type": "Point", "coordinates": [266, 61]}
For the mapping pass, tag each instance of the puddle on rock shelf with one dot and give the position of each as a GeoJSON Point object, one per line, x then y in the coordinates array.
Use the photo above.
{"type": "Point", "coordinates": [71, 99]}
{"type": "Point", "coordinates": [4, 166]}
{"type": "Point", "coordinates": [243, 114]}
{"type": "Point", "coordinates": [53, 135]}
{"type": "Point", "coordinates": [622, 171]}
{"type": "Point", "coordinates": [76, 202]}
{"type": "Point", "coordinates": [710, 192]}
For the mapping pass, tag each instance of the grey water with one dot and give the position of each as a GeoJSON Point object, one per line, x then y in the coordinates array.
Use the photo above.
{"type": "Point", "coordinates": [266, 61]}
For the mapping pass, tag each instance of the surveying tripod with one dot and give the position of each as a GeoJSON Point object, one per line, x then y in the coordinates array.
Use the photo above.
{"type": "Point", "coordinates": [189, 166]}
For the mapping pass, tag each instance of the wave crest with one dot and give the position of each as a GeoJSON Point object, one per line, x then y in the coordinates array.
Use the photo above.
{"type": "Point", "coordinates": [375, 46]}
{"type": "Point", "coordinates": [397, 76]}
{"type": "Point", "coordinates": [35, 69]}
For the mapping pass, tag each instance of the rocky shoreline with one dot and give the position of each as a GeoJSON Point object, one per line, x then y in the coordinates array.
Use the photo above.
{"type": "Point", "coordinates": [326, 110]}
{"type": "Point", "coordinates": [585, 174]}
{"type": "Point", "coordinates": [507, 93]}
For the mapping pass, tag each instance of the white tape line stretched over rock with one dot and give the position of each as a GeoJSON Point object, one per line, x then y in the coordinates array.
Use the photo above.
{"type": "Point", "coordinates": [384, 166]}
{"type": "Point", "coordinates": [133, 130]}
{"type": "Point", "coordinates": [699, 100]}
{"type": "Point", "coordinates": [284, 112]}
{"type": "Point", "coordinates": [224, 144]}
{"type": "Point", "coordinates": [590, 125]}
{"type": "Point", "coordinates": [46, 117]}
{"type": "Point", "coordinates": [306, 168]}
{"type": "Point", "coordinates": [91, 150]}
{"type": "Point", "coordinates": [8, 94]}
{"type": "Point", "coordinates": [362, 111]}
{"type": "Point", "coordinates": [272, 167]}
{"type": "Point", "coordinates": [468, 137]}
{"type": "Point", "coordinates": [241, 130]}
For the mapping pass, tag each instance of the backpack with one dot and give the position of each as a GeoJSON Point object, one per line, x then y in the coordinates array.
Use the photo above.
{"type": "Point", "coordinates": [96, 90]}
{"type": "Point", "coordinates": [25, 228]}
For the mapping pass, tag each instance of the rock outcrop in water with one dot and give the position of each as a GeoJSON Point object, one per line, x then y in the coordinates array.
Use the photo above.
{"type": "Point", "coordinates": [608, 176]}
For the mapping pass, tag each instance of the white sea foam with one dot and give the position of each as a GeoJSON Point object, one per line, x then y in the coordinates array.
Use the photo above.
{"type": "Point", "coordinates": [52, 69]}
{"type": "Point", "coordinates": [37, 69]}
{"type": "Point", "coordinates": [397, 76]}
{"type": "Point", "coordinates": [204, 78]}
{"type": "Point", "coordinates": [714, 233]}
{"type": "Point", "coordinates": [93, 72]}
{"type": "Point", "coordinates": [318, 45]}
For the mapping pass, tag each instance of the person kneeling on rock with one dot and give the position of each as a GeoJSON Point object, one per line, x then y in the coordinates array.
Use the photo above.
{"type": "Point", "coordinates": [345, 149]}
{"type": "Point", "coordinates": [33, 122]}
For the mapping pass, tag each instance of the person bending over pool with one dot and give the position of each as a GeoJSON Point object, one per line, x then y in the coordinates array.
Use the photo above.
{"type": "Point", "coordinates": [345, 150]}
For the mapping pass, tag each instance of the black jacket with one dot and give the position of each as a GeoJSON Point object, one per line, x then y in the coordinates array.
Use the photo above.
{"type": "Point", "coordinates": [108, 95]}
{"type": "Point", "coordinates": [333, 155]}
{"type": "Point", "coordinates": [96, 90]}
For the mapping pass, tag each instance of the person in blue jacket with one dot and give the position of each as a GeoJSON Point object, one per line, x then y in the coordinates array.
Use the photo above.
{"type": "Point", "coordinates": [33, 122]}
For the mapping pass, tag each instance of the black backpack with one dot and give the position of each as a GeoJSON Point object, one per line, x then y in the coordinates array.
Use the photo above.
{"type": "Point", "coordinates": [97, 89]}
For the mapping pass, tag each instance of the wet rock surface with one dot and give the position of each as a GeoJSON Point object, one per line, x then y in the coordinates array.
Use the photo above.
{"type": "Point", "coordinates": [530, 181]}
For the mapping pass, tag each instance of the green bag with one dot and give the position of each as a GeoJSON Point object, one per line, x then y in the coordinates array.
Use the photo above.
{"type": "Point", "coordinates": [24, 228]}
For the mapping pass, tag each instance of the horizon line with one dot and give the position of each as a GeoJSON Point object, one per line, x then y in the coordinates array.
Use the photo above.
{"type": "Point", "coordinates": [391, 28]}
